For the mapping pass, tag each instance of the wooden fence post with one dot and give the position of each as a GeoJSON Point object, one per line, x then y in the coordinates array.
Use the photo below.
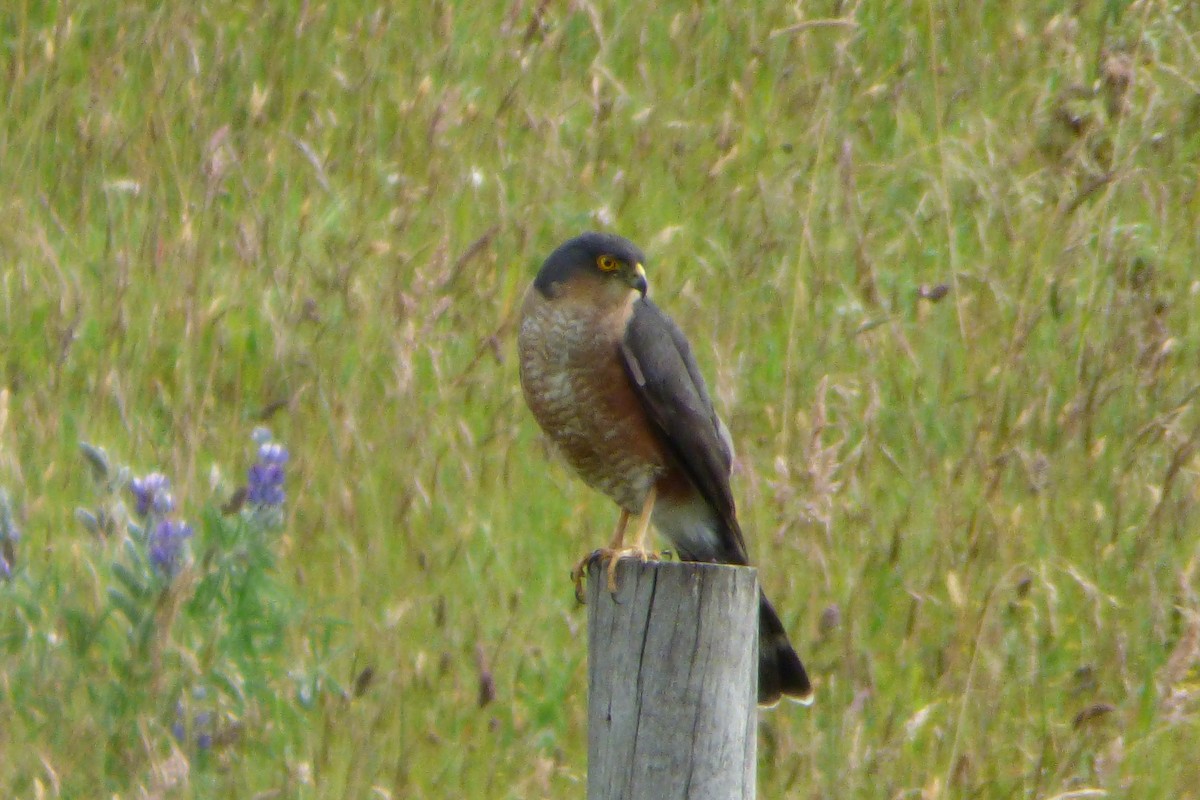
{"type": "Point", "coordinates": [672, 682]}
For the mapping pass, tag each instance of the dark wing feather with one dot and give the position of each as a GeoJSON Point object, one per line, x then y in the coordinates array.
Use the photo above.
{"type": "Point", "coordinates": [668, 382]}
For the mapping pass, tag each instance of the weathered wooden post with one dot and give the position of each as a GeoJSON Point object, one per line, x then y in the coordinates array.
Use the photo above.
{"type": "Point", "coordinates": [672, 682]}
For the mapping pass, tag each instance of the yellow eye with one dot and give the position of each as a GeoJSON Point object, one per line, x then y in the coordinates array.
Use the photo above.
{"type": "Point", "coordinates": [606, 263]}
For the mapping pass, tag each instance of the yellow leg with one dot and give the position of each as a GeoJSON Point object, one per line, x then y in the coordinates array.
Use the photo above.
{"type": "Point", "coordinates": [639, 543]}
{"type": "Point", "coordinates": [619, 535]}
{"type": "Point", "coordinates": [580, 570]}
{"type": "Point", "coordinates": [643, 524]}
{"type": "Point", "coordinates": [616, 549]}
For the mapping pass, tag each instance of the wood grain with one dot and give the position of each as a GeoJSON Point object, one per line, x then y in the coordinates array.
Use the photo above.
{"type": "Point", "coordinates": [672, 674]}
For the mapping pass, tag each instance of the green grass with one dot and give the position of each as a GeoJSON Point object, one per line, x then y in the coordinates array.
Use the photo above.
{"type": "Point", "coordinates": [321, 217]}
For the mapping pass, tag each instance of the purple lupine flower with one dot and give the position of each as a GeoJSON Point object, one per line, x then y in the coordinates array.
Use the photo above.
{"type": "Point", "coordinates": [178, 728]}
{"type": "Point", "coordinates": [265, 480]}
{"type": "Point", "coordinates": [192, 724]}
{"type": "Point", "coordinates": [166, 546]}
{"type": "Point", "coordinates": [9, 532]}
{"type": "Point", "coordinates": [203, 725]}
{"type": "Point", "coordinates": [9, 535]}
{"type": "Point", "coordinates": [152, 493]}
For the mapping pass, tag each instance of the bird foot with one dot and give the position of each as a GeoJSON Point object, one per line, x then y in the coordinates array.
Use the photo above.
{"type": "Point", "coordinates": [612, 557]}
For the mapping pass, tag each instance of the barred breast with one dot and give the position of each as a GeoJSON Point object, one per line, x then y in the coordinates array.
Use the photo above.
{"type": "Point", "coordinates": [578, 391]}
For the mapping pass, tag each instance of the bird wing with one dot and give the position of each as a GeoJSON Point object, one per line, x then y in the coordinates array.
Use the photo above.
{"type": "Point", "coordinates": [667, 381]}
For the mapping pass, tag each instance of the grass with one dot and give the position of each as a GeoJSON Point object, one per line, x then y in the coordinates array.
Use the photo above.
{"type": "Point", "coordinates": [978, 513]}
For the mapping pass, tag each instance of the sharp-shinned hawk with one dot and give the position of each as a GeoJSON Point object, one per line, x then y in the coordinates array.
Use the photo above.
{"type": "Point", "coordinates": [612, 381]}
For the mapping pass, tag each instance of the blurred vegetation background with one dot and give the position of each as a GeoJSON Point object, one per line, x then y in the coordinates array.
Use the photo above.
{"type": "Point", "coordinates": [938, 260]}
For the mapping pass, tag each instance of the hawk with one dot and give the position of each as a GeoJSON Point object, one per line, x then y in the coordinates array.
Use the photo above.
{"type": "Point", "coordinates": [612, 381]}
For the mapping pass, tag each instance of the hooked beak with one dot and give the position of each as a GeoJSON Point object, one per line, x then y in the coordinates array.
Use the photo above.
{"type": "Point", "coordinates": [639, 280]}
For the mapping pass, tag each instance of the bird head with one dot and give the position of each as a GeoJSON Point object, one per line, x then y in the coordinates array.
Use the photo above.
{"type": "Point", "coordinates": [601, 262]}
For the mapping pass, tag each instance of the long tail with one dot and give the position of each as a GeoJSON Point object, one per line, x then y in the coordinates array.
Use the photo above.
{"type": "Point", "coordinates": [780, 673]}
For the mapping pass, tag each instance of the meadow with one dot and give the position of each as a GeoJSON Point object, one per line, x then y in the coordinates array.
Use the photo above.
{"type": "Point", "coordinates": [939, 260]}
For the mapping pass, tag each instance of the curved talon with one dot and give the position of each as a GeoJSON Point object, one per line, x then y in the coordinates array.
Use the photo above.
{"type": "Point", "coordinates": [615, 552]}
{"type": "Point", "coordinates": [641, 554]}
{"type": "Point", "coordinates": [579, 572]}
{"type": "Point", "coordinates": [612, 556]}
{"type": "Point", "coordinates": [613, 560]}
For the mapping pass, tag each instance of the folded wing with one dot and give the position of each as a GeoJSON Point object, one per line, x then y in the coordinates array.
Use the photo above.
{"type": "Point", "coordinates": [667, 381]}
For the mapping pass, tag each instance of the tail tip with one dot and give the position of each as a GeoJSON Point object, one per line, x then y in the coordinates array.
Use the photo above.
{"type": "Point", "coordinates": [771, 699]}
{"type": "Point", "coordinates": [781, 674]}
